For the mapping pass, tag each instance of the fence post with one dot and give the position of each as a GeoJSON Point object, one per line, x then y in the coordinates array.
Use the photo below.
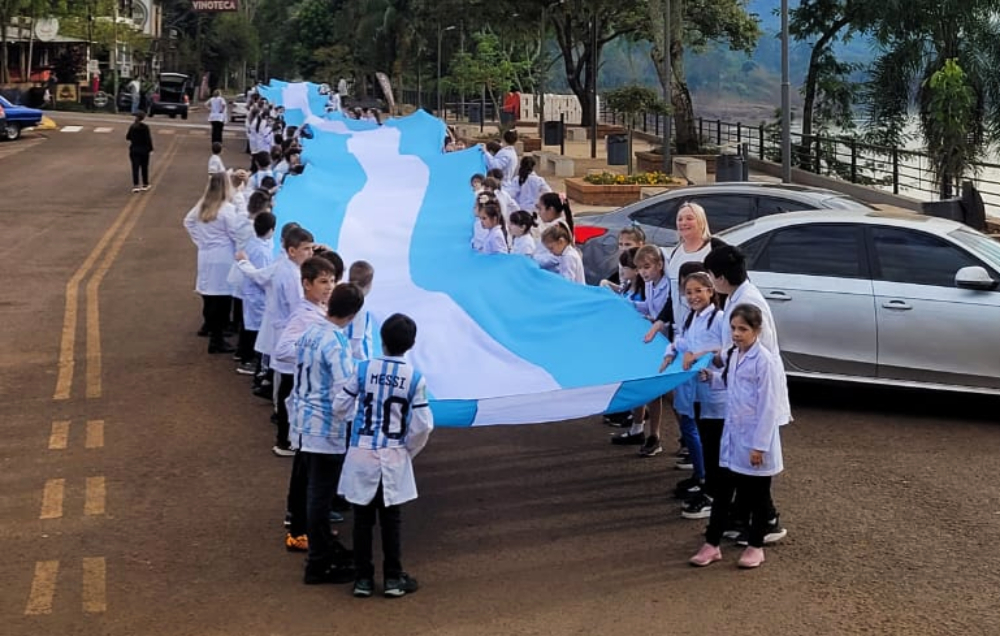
{"type": "Point", "coordinates": [656, 124]}
{"type": "Point", "coordinates": [701, 130]}
{"type": "Point", "coordinates": [718, 131]}
{"type": "Point", "coordinates": [739, 132]}
{"type": "Point", "coordinates": [854, 160]}
{"type": "Point", "coordinates": [817, 165]}
{"type": "Point", "coordinates": [895, 170]}
{"type": "Point", "coordinates": [645, 122]}
{"type": "Point", "coordinates": [562, 134]}
{"type": "Point", "coordinates": [760, 140]}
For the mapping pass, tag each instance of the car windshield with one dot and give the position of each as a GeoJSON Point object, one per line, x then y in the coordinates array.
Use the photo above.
{"type": "Point", "coordinates": [985, 247]}
{"type": "Point", "coordinates": [846, 203]}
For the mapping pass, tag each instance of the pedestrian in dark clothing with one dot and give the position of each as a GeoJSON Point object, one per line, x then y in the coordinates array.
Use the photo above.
{"type": "Point", "coordinates": [141, 145]}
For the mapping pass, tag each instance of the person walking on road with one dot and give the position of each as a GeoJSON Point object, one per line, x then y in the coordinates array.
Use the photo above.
{"type": "Point", "coordinates": [135, 92]}
{"type": "Point", "coordinates": [140, 147]}
{"type": "Point", "coordinates": [217, 115]}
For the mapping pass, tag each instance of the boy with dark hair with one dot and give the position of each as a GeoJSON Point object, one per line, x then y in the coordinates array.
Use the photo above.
{"type": "Point", "coordinates": [215, 161]}
{"type": "Point", "coordinates": [391, 425]}
{"type": "Point", "coordinates": [283, 286]}
{"type": "Point", "coordinates": [319, 277]}
{"type": "Point", "coordinates": [325, 367]}
{"type": "Point", "coordinates": [359, 332]}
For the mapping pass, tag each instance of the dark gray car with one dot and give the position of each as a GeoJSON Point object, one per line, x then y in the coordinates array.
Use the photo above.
{"type": "Point", "coordinates": [726, 205]}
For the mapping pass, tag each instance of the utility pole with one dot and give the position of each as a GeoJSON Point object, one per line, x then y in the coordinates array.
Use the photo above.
{"type": "Point", "coordinates": [593, 86]}
{"type": "Point", "coordinates": [668, 85]}
{"type": "Point", "coordinates": [114, 57]}
{"type": "Point", "coordinates": [786, 100]}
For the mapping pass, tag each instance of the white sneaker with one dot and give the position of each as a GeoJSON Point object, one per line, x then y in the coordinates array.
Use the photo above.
{"type": "Point", "coordinates": [136, 189]}
{"type": "Point", "coordinates": [145, 187]}
{"type": "Point", "coordinates": [282, 452]}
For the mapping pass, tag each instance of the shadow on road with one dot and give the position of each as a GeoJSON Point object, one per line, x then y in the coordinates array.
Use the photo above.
{"type": "Point", "coordinates": [890, 400]}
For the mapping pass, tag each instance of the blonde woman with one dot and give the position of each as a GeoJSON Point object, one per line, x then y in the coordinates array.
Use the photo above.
{"type": "Point", "coordinates": [213, 225]}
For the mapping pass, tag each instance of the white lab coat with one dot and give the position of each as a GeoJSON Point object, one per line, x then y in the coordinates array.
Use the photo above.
{"type": "Point", "coordinates": [524, 244]}
{"type": "Point", "coordinates": [306, 315]}
{"type": "Point", "coordinates": [217, 108]}
{"type": "Point", "coordinates": [505, 160]}
{"type": "Point", "coordinates": [283, 291]}
{"type": "Point", "coordinates": [494, 242]}
{"type": "Point", "coordinates": [753, 411]}
{"type": "Point", "coordinates": [215, 164]}
{"type": "Point", "coordinates": [545, 258]}
{"type": "Point", "coordinates": [528, 193]}
{"type": "Point", "coordinates": [216, 242]}
{"type": "Point", "coordinates": [570, 265]}
{"type": "Point", "coordinates": [656, 298]}
{"type": "Point", "coordinates": [748, 294]}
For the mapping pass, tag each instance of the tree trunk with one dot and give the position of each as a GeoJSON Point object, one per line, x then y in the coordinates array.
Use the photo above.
{"type": "Point", "coordinates": [685, 131]}
{"type": "Point", "coordinates": [812, 79]}
{"type": "Point", "coordinates": [4, 55]}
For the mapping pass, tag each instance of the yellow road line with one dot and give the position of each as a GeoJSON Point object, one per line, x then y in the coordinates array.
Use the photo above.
{"type": "Point", "coordinates": [95, 585]}
{"type": "Point", "coordinates": [67, 346]}
{"type": "Point", "coordinates": [43, 588]}
{"type": "Point", "coordinates": [52, 499]}
{"type": "Point", "coordinates": [95, 434]}
{"type": "Point", "coordinates": [94, 363]}
{"type": "Point", "coordinates": [59, 438]}
{"type": "Point", "coordinates": [93, 502]}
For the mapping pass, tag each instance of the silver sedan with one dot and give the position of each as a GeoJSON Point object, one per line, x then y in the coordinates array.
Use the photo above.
{"type": "Point", "coordinates": [879, 297]}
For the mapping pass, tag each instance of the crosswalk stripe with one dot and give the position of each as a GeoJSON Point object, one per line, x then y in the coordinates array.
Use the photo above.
{"type": "Point", "coordinates": [94, 585]}
{"type": "Point", "coordinates": [59, 438]}
{"type": "Point", "coordinates": [166, 131]}
{"type": "Point", "coordinates": [197, 133]}
{"type": "Point", "coordinates": [52, 499]}
{"type": "Point", "coordinates": [93, 503]}
{"type": "Point", "coordinates": [95, 434]}
{"type": "Point", "coordinates": [103, 130]}
{"type": "Point", "coordinates": [43, 588]}
{"type": "Point", "coordinates": [71, 129]}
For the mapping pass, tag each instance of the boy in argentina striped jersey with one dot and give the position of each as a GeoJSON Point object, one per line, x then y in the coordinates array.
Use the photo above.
{"type": "Point", "coordinates": [392, 423]}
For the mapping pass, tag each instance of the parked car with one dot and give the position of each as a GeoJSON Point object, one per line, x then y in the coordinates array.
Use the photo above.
{"type": "Point", "coordinates": [171, 95]}
{"type": "Point", "coordinates": [879, 297]}
{"type": "Point", "coordinates": [15, 118]}
{"type": "Point", "coordinates": [726, 205]}
{"type": "Point", "coordinates": [238, 108]}
{"type": "Point", "coordinates": [125, 100]}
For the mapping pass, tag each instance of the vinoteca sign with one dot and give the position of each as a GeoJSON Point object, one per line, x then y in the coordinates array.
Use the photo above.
{"type": "Point", "coordinates": [215, 5]}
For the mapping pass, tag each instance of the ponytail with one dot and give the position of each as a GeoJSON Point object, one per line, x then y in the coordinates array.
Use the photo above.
{"type": "Point", "coordinates": [525, 170]}
{"type": "Point", "coordinates": [560, 204]}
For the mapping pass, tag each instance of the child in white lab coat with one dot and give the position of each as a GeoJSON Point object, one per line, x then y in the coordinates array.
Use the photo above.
{"type": "Point", "coordinates": [559, 242]}
{"type": "Point", "coordinates": [529, 187]}
{"type": "Point", "coordinates": [392, 423]}
{"type": "Point", "coordinates": [521, 225]}
{"type": "Point", "coordinates": [359, 332]}
{"type": "Point", "coordinates": [750, 454]}
{"type": "Point", "coordinates": [491, 218]}
{"type": "Point", "coordinates": [552, 209]}
{"type": "Point", "coordinates": [479, 232]}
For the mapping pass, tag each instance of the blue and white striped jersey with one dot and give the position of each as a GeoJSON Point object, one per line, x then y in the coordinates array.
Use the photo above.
{"type": "Point", "coordinates": [359, 332]}
{"type": "Point", "coordinates": [389, 391]}
{"type": "Point", "coordinates": [324, 368]}
{"type": "Point", "coordinates": [392, 424]}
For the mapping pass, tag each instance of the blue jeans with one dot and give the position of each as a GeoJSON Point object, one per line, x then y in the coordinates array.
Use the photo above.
{"type": "Point", "coordinates": [692, 441]}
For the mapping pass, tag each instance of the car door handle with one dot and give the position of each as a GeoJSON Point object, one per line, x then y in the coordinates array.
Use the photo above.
{"type": "Point", "coordinates": [777, 295]}
{"type": "Point", "coordinates": [898, 305]}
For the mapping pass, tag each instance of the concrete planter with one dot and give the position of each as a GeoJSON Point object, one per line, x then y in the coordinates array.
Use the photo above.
{"type": "Point", "coordinates": [608, 195]}
{"type": "Point", "coordinates": [531, 144]}
{"type": "Point", "coordinates": [653, 162]}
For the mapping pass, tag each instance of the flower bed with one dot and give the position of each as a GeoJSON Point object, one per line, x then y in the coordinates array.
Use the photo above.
{"type": "Point", "coordinates": [612, 192]}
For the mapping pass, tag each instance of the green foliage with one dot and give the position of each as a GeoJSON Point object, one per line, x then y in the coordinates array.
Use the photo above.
{"type": "Point", "coordinates": [490, 67]}
{"type": "Point", "coordinates": [949, 116]}
{"type": "Point", "coordinates": [633, 101]}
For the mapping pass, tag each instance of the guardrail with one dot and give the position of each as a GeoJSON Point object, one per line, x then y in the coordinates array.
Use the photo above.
{"type": "Point", "coordinates": [899, 170]}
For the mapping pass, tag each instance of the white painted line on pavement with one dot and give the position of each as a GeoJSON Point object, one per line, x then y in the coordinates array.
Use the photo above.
{"type": "Point", "coordinates": [95, 497]}
{"type": "Point", "coordinates": [95, 574]}
{"type": "Point", "coordinates": [43, 588]}
{"type": "Point", "coordinates": [166, 131]}
{"type": "Point", "coordinates": [71, 129]}
{"type": "Point", "coordinates": [95, 434]}
{"type": "Point", "coordinates": [197, 133]}
{"type": "Point", "coordinates": [52, 499]}
{"type": "Point", "coordinates": [59, 438]}
{"type": "Point", "coordinates": [103, 130]}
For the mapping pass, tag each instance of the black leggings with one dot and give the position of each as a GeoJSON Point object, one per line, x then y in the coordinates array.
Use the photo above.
{"type": "Point", "coordinates": [754, 491]}
{"type": "Point", "coordinates": [215, 311]}
{"type": "Point", "coordinates": [140, 164]}
{"type": "Point", "coordinates": [217, 131]}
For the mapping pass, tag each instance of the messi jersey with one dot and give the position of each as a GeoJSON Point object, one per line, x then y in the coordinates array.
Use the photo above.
{"type": "Point", "coordinates": [388, 391]}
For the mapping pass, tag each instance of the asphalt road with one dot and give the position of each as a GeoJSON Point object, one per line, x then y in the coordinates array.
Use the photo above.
{"type": "Point", "coordinates": [138, 494]}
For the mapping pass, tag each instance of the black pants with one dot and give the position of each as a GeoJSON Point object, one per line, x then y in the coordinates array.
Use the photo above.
{"type": "Point", "coordinates": [710, 432]}
{"type": "Point", "coordinates": [236, 319]}
{"type": "Point", "coordinates": [140, 165]}
{"type": "Point", "coordinates": [215, 311]}
{"type": "Point", "coordinates": [245, 346]}
{"type": "Point", "coordinates": [314, 483]}
{"type": "Point", "coordinates": [285, 385]}
{"type": "Point", "coordinates": [755, 493]}
{"type": "Point", "coordinates": [217, 131]}
{"type": "Point", "coordinates": [389, 521]}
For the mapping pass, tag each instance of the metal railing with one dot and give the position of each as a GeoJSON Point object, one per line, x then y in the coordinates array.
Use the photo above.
{"type": "Point", "coordinates": [901, 171]}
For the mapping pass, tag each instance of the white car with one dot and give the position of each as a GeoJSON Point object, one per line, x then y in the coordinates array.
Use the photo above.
{"type": "Point", "coordinates": [238, 108]}
{"type": "Point", "coordinates": [879, 297]}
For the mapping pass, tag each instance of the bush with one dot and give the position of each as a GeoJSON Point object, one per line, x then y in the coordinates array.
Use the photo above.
{"type": "Point", "coordinates": [641, 178]}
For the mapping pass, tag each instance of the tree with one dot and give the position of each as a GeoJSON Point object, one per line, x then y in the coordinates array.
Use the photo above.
{"type": "Point", "coordinates": [694, 24]}
{"type": "Point", "coordinates": [489, 67]}
{"type": "Point", "coordinates": [949, 113]}
{"type": "Point", "coordinates": [633, 101]}
{"type": "Point", "coordinates": [574, 23]}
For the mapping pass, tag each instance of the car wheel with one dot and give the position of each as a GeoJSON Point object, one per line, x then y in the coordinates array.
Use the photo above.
{"type": "Point", "coordinates": [11, 131]}
{"type": "Point", "coordinates": [184, 115]}
{"type": "Point", "coordinates": [173, 115]}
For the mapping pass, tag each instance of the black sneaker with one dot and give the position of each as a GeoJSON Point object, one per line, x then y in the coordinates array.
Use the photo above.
{"type": "Point", "coordinates": [619, 420]}
{"type": "Point", "coordinates": [687, 488]}
{"type": "Point", "coordinates": [336, 574]}
{"type": "Point", "coordinates": [774, 534]}
{"type": "Point", "coordinates": [684, 462]}
{"type": "Point", "coordinates": [363, 588]}
{"type": "Point", "coordinates": [698, 507]}
{"type": "Point", "coordinates": [626, 439]}
{"type": "Point", "coordinates": [288, 519]}
{"type": "Point", "coordinates": [651, 447]}
{"type": "Point", "coordinates": [394, 588]}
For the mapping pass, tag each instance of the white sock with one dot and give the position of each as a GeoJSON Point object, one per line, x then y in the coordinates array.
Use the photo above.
{"type": "Point", "coordinates": [636, 428]}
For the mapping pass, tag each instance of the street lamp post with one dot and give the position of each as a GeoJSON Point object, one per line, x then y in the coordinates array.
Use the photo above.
{"type": "Point", "coordinates": [668, 86]}
{"type": "Point", "coordinates": [786, 100]}
{"type": "Point", "coordinates": [440, 40]}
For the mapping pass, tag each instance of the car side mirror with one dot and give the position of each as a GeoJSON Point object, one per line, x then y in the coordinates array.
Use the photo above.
{"type": "Point", "coordinates": [975, 278]}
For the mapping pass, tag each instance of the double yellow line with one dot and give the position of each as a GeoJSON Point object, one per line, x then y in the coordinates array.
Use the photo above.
{"type": "Point", "coordinates": [115, 238]}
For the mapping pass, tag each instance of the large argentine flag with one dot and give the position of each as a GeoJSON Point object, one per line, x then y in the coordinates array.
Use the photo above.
{"type": "Point", "coordinates": [499, 340]}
